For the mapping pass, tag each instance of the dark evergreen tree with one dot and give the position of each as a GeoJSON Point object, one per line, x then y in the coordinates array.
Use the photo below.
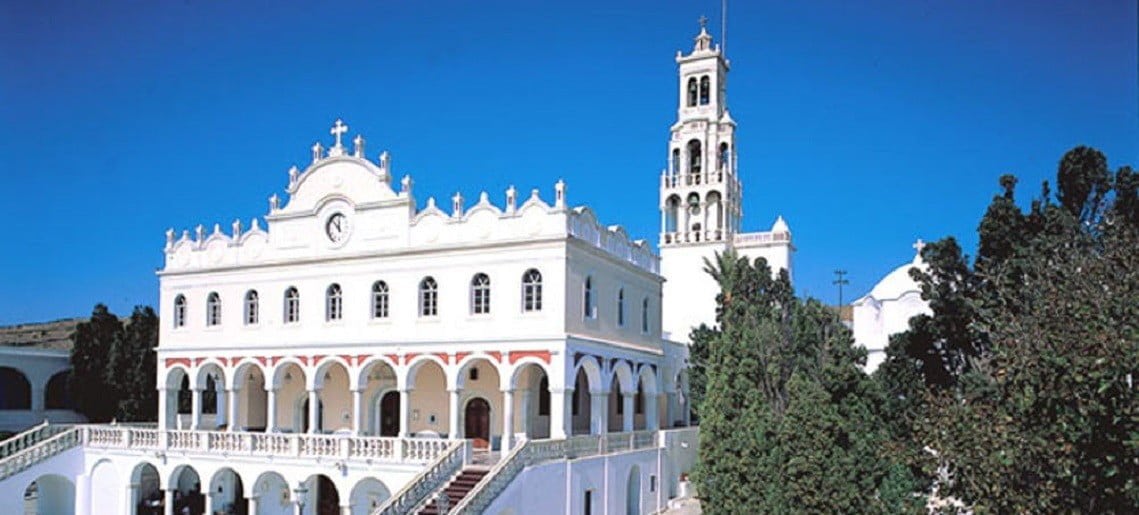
{"type": "Point", "coordinates": [90, 354]}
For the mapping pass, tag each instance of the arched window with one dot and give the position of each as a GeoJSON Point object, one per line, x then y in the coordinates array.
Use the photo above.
{"type": "Point", "coordinates": [480, 294]}
{"type": "Point", "coordinates": [722, 162]}
{"type": "Point", "coordinates": [56, 395]}
{"type": "Point", "coordinates": [588, 310]}
{"type": "Point", "coordinates": [645, 315]}
{"type": "Point", "coordinates": [180, 311]}
{"type": "Point", "coordinates": [621, 307]}
{"type": "Point", "coordinates": [695, 157]}
{"type": "Point", "coordinates": [428, 297]}
{"type": "Point", "coordinates": [532, 290]}
{"type": "Point", "coordinates": [334, 303]}
{"type": "Point", "coordinates": [292, 305]}
{"type": "Point", "coordinates": [213, 309]}
{"type": "Point", "coordinates": [671, 213]}
{"type": "Point", "coordinates": [705, 90]}
{"type": "Point", "coordinates": [692, 92]}
{"type": "Point", "coordinates": [676, 161]}
{"type": "Point", "coordinates": [380, 300]}
{"type": "Point", "coordinates": [15, 390]}
{"type": "Point", "coordinates": [251, 307]}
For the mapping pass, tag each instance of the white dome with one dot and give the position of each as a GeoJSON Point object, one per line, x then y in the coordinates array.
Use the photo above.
{"type": "Point", "coordinates": [899, 282]}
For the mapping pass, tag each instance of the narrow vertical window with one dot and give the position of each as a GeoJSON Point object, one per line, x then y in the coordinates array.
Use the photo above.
{"type": "Point", "coordinates": [380, 300]}
{"type": "Point", "coordinates": [544, 397]}
{"type": "Point", "coordinates": [334, 303]}
{"type": "Point", "coordinates": [428, 297]}
{"type": "Point", "coordinates": [676, 161]}
{"type": "Point", "coordinates": [723, 160]}
{"type": "Point", "coordinates": [251, 307]}
{"type": "Point", "coordinates": [292, 305]}
{"type": "Point", "coordinates": [705, 90]}
{"type": "Point", "coordinates": [480, 294]}
{"type": "Point", "coordinates": [695, 157]}
{"type": "Point", "coordinates": [587, 298]}
{"type": "Point", "coordinates": [621, 307]}
{"type": "Point", "coordinates": [692, 92]}
{"type": "Point", "coordinates": [213, 309]}
{"type": "Point", "coordinates": [532, 290]}
{"type": "Point", "coordinates": [645, 315]}
{"type": "Point", "coordinates": [639, 399]}
{"type": "Point", "coordinates": [180, 311]}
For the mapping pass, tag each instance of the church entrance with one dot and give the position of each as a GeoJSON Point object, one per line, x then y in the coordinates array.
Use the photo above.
{"type": "Point", "coordinates": [389, 414]}
{"type": "Point", "coordinates": [477, 418]}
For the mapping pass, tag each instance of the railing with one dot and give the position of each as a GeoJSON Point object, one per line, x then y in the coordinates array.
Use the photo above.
{"type": "Point", "coordinates": [18, 461]}
{"type": "Point", "coordinates": [418, 491]}
{"type": "Point", "coordinates": [401, 450]}
{"type": "Point", "coordinates": [535, 452]}
{"type": "Point", "coordinates": [29, 438]}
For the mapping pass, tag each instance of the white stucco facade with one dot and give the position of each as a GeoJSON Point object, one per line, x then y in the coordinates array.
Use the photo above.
{"type": "Point", "coordinates": [33, 388]}
{"type": "Point", "coordinates": [887, 309]}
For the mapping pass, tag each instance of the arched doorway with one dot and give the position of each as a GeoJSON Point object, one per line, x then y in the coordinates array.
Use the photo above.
{"type": "Point", "coordinates": [321, 497]}
{"type": "Point", "coordinates": [477, 422]}
{"type": "Point", "coordinates": [633, 492]}
{"type": "Point", "coordinates": [56, 395]}
{"type": "Point", "coordinates": [388, 414]}
{"type": "Point", "coordinates": [50, 495]}
{"type": "Point", "coordinates": [148, 497]}
{"type": "Point", "coordinates": [227, 493]}
{"type": "Point", "coordinates": [187, 487]}
{"type": "Point", "coordinates": [15, 390]}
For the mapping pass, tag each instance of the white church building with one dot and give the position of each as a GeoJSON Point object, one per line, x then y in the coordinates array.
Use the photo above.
{"type": "Point", "coordinates": [364, 351]}
{"type": "Point", "coordinates": [887, 309]}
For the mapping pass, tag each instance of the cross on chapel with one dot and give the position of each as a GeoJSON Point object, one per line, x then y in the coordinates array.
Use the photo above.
{"type": "Point", "coordinates": [918, 245]}
{"type": "Point", "coordinates": [703, 22]}
{"type": "Point", "coordinates": [338, 129]}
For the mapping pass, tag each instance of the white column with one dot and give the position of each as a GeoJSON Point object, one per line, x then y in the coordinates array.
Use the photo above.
{"type": "Point", "coordinates": [507, 420]}
{"type": "Point", "coordinates": [37, 400]}
{"type": "Point", "coordinates": [598, 412]}
{"type": "Point", "coordinates": [209, 500]}
{"type": "Point", "coordinates": [221, 405]}
{"type": "Point", "coordinates": [652, 419]}
{"type": "Point", "coordinates": [454, 403]}
{"type": "Point", "coordinates": [130, 501]}
{"type": "Point", "coordinates": [233, 410]}
{"type": "Point", "coordinates": [527, 411]}
{"type": "Point", "coordinates": [168, 507]}
{"type": "Point", "coordinates": [358, 412]}
{"type": "Point", "coordinates": [404, 413]}
{"type": "Point", "coordinates": [253, 501]}
{"type": "Point", "coordinates": [313, 411]}
{"type": "Point", "coordinates": [345, 509]}
{"type": "Point", "coordinates": [271, 411]}
{"type": "Point", "coordinates": [163, 410]}
{"type": "Point", "coordinates": [561, 418]}
{"type": "Point", "coordinates": [195, 409]}
{"type": "Point", "coordinates": [627, 406]}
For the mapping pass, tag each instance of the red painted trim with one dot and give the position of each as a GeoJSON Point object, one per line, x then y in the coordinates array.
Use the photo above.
{"type": "Point", "coordinates": [198, 361]}
{"type": "Point", "coordinates": [235, 360]}
{"type": "Point", "coordinates": [543, 355]}
{"type": "Point", "coordinates": [361, 358]}
{"type": "Point", "coordinates": [444, 356]}
{"type": "Point", "coordinates": [273, 360]}
{"type": "Point", "coordinates": [460, 356]}
{"type": "Point", "coordinates": [347, 359]}
{"type": "Point", "coordinates": [316, 359]}
{"type": "Point", "coordinates": [497, 355]}
{"type": "Point", "coordinates": [408, 357]}
{"type": "Point", "coordinates": [393, 357]}
{"type": "Point", "coordinates": [176, 361]}
{"type": "Point", "coordinates": [261, 359]}
{"type": "Point", "coordinates": [303, 359]}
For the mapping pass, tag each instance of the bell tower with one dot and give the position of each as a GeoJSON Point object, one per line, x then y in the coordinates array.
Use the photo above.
{"type": "Point", "coordinates": [700, 193]}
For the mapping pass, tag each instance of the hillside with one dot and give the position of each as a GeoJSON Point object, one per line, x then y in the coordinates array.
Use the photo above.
{"type": "Point", "coordinates": [42, 335]}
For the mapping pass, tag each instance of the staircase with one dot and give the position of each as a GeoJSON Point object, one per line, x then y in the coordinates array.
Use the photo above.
{"type": "Point", "coordinates": [33, 446]}
{"type": "Point", "coordinates": [456, 490]}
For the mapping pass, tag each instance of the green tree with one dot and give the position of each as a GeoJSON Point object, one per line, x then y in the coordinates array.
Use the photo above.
{"type": "Point", "coordinates": [1042, 416]}
{"type": "Point", "coordinates": [90, 355]}
{"type": "Point", "coordinates": [788, 421]}
{"type": "Point", "coordinates": [132, 369]}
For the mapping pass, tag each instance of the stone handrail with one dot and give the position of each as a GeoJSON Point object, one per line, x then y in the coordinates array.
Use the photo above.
{"type": "Point", "coordinates": [16, 462]}
{"type": "Point", "coordinates": [401, 450]}
{"type": "Point", "coordinates": [25, 439]}
{"type": "Point", "coordinates": [418, 491]}
{"type": "Point", "coordinates": [494, 482]}
{"type": "Point", "coordinates": [541, 451]}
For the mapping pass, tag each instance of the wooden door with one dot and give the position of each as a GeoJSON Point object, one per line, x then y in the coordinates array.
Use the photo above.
{"type": "Point", "coordinates": [478, 422]}
{"type": "Point", "coordinates": [389, 414]}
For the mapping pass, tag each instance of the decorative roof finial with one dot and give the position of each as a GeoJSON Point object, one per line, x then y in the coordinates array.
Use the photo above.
{"type": "Point", "coordinates": [317, 150]}
{"type": "Point", "coordinates": [918, 246]}
{"type": "Point", "coordinates": [703, 23]}
{"type": "Point", "coordinates": [359, 142]}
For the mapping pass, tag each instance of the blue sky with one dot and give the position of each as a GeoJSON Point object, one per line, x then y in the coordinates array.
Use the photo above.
{"type": "Point", "coordinates": [865, 124]}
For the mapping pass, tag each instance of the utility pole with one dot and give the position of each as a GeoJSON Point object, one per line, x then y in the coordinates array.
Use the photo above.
{"type": "Point", "coordinates": [840, 280]}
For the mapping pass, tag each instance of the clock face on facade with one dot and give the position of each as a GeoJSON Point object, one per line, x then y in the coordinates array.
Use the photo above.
{"type": "Point", "coordinates": [337, 228]}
